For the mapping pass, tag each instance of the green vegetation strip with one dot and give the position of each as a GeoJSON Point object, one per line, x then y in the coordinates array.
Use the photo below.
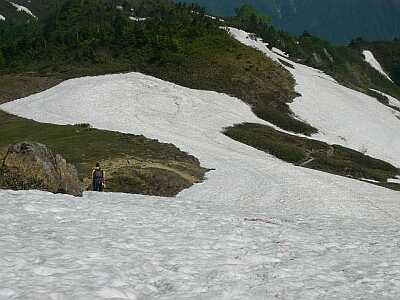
{"type": "Point", "coordinates": [18, 86]}
{"type": "Point", "coordinates": [84, 146]}
{"type": "Point", "coordinates": [314, 154]}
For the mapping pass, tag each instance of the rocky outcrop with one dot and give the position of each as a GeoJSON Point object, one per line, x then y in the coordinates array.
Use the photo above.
{"type": "Point", "coordinates": [33, 166]}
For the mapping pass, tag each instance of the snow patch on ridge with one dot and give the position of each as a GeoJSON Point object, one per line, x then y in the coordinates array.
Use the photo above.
{"type": "Point", "coordinates": [2, 18]}
{"type": "Point", "coordinates": [280, 52]}
{"type": "Point", "coordinates": [342, 116]}
{"type": "Point", "coordinates": [374, 63]}
{"type": "Point", "coordinates": [136, 19]}
{"type": "Point", "coordinates": [22, 9]}
{"type": "Point", "coordinates": [252, 41]}
{"type": "Point", "coordinates": [394, 180]}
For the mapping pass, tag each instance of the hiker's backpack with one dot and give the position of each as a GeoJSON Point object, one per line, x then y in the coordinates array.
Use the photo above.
{"type": "Point", "coordinates": [98, 176]}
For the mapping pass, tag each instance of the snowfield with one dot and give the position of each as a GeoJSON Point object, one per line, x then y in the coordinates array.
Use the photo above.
{"type": "Point", "coordinates": [257, 228]}
{"type": "Point", "coordinates": [2, 18]}
{"type": "Point", "coordinates": [374, 63]}
{"type": "Point", "coordinates": [342, 116]}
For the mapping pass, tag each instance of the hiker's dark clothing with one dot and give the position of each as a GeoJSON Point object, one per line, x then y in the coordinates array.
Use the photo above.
{"type": "Point", "coordinates": [98, 180]}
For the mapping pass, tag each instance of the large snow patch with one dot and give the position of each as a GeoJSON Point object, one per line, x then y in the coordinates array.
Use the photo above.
{"type": "Point", "coordinates": [257, 228]}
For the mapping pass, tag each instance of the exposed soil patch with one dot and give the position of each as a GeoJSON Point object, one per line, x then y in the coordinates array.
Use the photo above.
{"type": "Point", "coordinates": [151, 177]}
{"type": "Point", "coordinates": [316, 155]}
{"type": "Point", "coordinates": [18, 86]}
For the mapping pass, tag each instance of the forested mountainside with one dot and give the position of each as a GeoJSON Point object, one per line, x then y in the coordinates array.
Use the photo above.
{"type": "Point", "coordinates": [339, 21]}
{"type": "Point", "coordinates": [336, 20]}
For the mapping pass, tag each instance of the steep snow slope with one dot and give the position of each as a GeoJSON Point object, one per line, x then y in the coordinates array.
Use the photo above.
{"type": "Point", "coordinates": [343, 116]}
{"type": "Point", "coordinates": [258, 228]}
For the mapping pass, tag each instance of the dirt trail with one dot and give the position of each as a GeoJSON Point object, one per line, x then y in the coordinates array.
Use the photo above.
{"type": "Point", "coordinates": [184, 170]}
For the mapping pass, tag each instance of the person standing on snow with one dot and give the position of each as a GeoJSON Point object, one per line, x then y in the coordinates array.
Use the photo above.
{"type": "Point", "coordinates": [98, 179]}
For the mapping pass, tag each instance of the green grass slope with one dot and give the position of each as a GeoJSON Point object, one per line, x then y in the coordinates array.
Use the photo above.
{"type": "Point", "coordinates": [132, 163]}
{"type": "Point", "coordinates": [314, 154]}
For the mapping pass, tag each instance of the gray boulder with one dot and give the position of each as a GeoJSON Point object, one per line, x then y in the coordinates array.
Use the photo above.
{"type": "Point", "coordinates": [29, 165]}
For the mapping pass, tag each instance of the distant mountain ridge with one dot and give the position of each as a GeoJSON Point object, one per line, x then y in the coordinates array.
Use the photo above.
{"type": "Point", "coordinates": [336, 20]}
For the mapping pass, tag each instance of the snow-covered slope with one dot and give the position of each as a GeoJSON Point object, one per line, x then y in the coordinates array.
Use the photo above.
{"type": "Point", "coordinates": [2, 18]}
{"type": "Point", "coordinates": [392, 101]}
{"type": "Point", "coordinates": [343, 116]}
{"type": "Point", "coordinates": [257, 228]}
{"type": "Point", "coordinates": [370, 58]}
